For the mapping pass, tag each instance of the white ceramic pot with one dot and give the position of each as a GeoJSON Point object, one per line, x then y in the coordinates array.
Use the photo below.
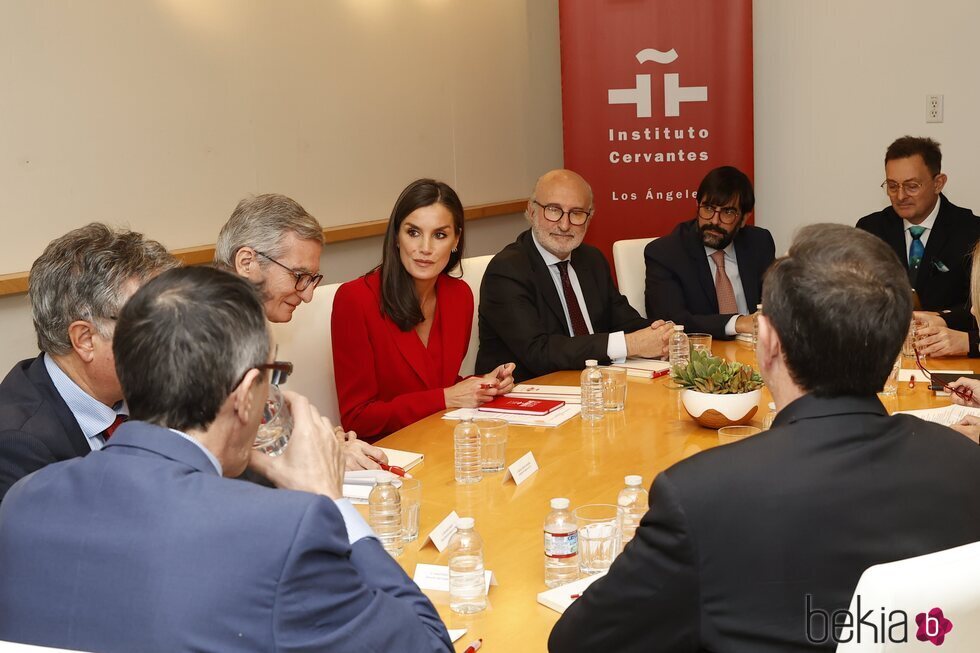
{"type": "Point", "coordinates": [715, 411]}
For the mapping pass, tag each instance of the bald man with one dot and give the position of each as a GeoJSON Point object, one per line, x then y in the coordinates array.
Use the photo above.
{"type": "Point", "coordinates": [548, 302]}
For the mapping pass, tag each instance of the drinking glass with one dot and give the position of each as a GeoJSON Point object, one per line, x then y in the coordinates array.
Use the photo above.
{"type": "Point", "coordinates": [700, 341]}
{"type": "Point", "coordinates": [410, 490]}
{"type": "Point", "coordinates": [600, 533]}
{"type": "Point", "coordinates": [493, 437]}
{"type": "Point", "coordinates": [613, 388]}
{"type": "Point", "coordinates": [277, 424]}
{"type": "Point", "coordinates": [729, 434]}
{"type": "Point", "coordinates": [891, 383]}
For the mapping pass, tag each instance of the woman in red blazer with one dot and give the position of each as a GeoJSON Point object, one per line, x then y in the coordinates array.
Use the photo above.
{"type": "Point", "coordinates": [401, 331]}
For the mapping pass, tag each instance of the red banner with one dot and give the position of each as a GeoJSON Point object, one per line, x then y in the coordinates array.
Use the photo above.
{"type": "Point", "coordinates": [655, 93]}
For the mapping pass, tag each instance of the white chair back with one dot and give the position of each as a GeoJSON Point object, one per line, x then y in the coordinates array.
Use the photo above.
{"type": "Point", "coordinates": [473, 269]}
{"type": "Point", "coordinates": [949, 580]}
{"type": "Point", "coordinates": [631, 271]}
{"type": "Point", "coordinates": [306, 342]}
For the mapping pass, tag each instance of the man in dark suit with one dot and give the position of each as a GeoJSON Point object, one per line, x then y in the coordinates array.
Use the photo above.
{"type": "Point", "coordinates": [548, 302]}
{"type": "Point", "coordinates": [146, 547]}
{"type": "Point", "coordinates": [750, 547]}
{"type": "Point", "coordinates": [707, 273]}
{"type": "Point", "coordinates": [934, 240]}
{"type": "Point", "coordinates": [65, 402]}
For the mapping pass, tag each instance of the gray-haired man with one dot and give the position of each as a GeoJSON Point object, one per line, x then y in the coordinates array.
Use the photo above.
{"type": "Point", "coordinates": [273, 242]}
{"type": "Point", "coordinates": [67, 401]}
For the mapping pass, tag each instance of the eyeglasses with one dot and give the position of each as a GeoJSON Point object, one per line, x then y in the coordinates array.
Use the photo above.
{"type": "Point", "coordinates": [303, 279]}
{"type": "Point", "coordinates": [911, 188]}
{"type": "Point", "coordinates": [962, 392]}
{"type": "Point", "coordinates": [554, 213]}
{"type": "Point", "coordinates": [726, 214]}
{"type": "Point", "coordinates": [280, 372]}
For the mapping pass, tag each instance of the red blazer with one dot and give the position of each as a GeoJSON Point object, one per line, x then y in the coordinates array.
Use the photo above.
{"type": "Point", "coordinates": [386, 378]}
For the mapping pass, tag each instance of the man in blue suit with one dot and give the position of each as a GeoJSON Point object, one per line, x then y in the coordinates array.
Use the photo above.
{"type": "Point", "coordinates": [65, 402]}
{"type": "Point", "coordinates": [146, 547]}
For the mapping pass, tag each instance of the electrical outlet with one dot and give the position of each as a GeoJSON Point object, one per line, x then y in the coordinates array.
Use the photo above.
{"type": "Point", "coordinates": [934, 108]}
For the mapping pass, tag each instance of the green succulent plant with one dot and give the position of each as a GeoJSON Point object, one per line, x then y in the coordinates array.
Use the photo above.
{"type": "Point", "coordinates": [714, 375]}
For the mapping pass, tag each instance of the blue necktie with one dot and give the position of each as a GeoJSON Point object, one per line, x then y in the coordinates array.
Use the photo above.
{"type": "Point", "coordinates": [917, 249]}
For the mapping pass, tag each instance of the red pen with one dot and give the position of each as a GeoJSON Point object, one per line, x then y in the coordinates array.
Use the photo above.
{"type": "Point", "coordinates": [394, 469]}
{"type": "Point", "coordinates": [474, 647]}
{"type": "Point", "coordinates": [574, 596]}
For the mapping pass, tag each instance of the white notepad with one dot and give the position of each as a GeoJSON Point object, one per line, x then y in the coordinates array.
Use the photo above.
{"type": "Point", "coordinates": [946, 415]}
{"type": "Point", "coordinates": [404, 459]}
{"type": "Point", "coordinates": [559, 598]}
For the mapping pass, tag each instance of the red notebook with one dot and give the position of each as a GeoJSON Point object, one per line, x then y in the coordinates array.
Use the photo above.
{"type": "Point", "coordinates": [522, 406]}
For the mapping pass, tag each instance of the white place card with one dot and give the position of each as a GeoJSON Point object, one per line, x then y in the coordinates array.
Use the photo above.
{"type": "Point", "coordinates": [436, 577]}
{"type": "Point", "coordinates": [441, 534]}
{"type": "Point", "coordinates": [522, 468]}
{"type": "Point", "coordinates": [456, 633]}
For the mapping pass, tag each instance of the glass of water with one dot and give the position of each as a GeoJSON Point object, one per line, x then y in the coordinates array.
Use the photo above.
{"type": "Point", "coordinates": [493, 436]}
{"type": "Point", "coordinates": [890, 388]}
{"type": "Point", "coordinates": [700, 341]}
{"type": "Point", "coordinates": [410, 490]}
{"type": "Point", "coordinates": [600, 533]}
{"type": "Point", "coordinates": [613, 388]}
{"type": "Point", "coordinates": [276, 426]}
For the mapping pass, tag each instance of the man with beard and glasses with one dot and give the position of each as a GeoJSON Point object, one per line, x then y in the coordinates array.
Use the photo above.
{"type": "Point", "coordinates": [707, 274]}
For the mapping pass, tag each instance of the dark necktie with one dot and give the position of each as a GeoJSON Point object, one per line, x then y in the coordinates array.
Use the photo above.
{"type": "Point", "coordinates": [917, 249]}
{"type": "Point", "coordinates": [579, 328]}
{"type": "Point", "coordinates": [112, 427]}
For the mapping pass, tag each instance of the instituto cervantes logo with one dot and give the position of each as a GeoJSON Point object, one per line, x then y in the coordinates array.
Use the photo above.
{"type": "Point", "coordinates": [876, 625]}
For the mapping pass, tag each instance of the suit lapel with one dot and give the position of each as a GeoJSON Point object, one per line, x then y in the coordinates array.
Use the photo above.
{"type": "Point", "coordinates": [543, 280]}
{"type": "Point", "coordinates": [694, 249]}
{"type": "Point", "coordinates": [747, 272]}
{"type": "Point", "coordinates": [42, 381]}
{"type": "Point", "coordinates": [937, 241]}
{"type": "Point", "coordinates": [894, 235]}
{"type": "Point", "coordinates": [407, 343]}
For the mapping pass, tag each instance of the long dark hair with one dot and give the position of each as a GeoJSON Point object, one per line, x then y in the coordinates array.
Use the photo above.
{"type": "Point", "coordinates": [398, 298]}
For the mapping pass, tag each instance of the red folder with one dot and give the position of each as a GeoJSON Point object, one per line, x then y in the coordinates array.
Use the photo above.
{"type": "Point", "coordinates": [522, 406]}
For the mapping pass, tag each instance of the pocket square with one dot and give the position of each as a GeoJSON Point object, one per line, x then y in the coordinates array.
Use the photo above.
{"type": "Point", "coordinates": [939, 265]}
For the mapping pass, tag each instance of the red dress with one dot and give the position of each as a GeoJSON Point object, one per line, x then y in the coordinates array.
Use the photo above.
{"type": "Point", "coordinates": [386, 378]}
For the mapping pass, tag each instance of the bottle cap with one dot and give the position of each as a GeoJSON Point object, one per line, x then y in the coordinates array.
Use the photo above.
{"type": "Point", "coordinates": [559, 503]}
{"type": "Point", "coordinates": [758, 307]}
{"type": "Point", "coordinates": [772, 405]}
{"type": "Point", "coordinates": [591, 362]}
{"type": "Point", "coordinates": [678, 327]}
{"type": "Point", "coordinates": [464, 523]}
{"type": "Point", "coordinates": [634, 480]}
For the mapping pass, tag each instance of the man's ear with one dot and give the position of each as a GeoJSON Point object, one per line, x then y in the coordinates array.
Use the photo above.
{"type": "Point", "coordinates": [245, 394]}
{"type": "Point", "coordinates": [940, 182]}
{"type": "Point", "coordinates": [81, 334]}
{"type": "Point", "coordinates": [245, 261]}
{"type": "Point", "coordinates": [769, 347]}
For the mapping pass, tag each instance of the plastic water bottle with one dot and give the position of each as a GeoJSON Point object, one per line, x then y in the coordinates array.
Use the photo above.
{"type": "Point", "coordinates": [593, 408]}
{"type": "Point", "coordinates": [755, 325]}
{"type": "Point", "coordinates": [633, 501]}
{"type": "Point", "coordinates": [385, 516]}
{"type": "Point", "coordinates": [469, 464]}
{"type": "Point", "coordinates": [560, 545]}
{"type": "Point", "coordinates": [679, 349]}
{"type": "Point", "coordinates": [467, 587]}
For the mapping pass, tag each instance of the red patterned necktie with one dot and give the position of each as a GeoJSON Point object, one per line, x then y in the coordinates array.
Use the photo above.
{"type": "Point", "coordinates": [579, 327]}
{"type": "Point", "coordinates": [112, 427]}
{"type": "Point", "coordinates": [723, 285]}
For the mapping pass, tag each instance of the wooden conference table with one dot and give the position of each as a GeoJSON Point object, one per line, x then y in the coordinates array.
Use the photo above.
{"type": "Point", "coordinates": [584, 463]}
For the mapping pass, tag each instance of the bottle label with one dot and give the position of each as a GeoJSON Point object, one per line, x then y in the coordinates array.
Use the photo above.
{"type": "Point", "coordinates": [561, 545]}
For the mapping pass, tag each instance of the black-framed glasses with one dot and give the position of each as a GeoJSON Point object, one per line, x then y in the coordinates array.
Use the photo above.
{"type": "Point", "coordinates": [280, 372]}
{"type": "Point", "coordinates": [554, 213]}
{"type": "Point", "coordinates": [963, 393]}
{"type": "Point", "coordinates": [726, 214]}
{"type": "Point", "coordinates": [303, 279]}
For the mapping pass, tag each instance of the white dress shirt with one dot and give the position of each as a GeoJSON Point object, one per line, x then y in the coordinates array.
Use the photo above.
{"type": "Point", "coordinates": [731, 269]}
{"type": "Point", "coordinates": [92, 415]}
{"type": "Point", "coordinates": [616, 345]}
{"type": "Point", "coordinates": [927, 223]}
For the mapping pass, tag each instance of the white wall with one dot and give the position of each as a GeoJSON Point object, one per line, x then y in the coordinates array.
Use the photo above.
{"type": "Point", "coordinates": [836, 81]}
